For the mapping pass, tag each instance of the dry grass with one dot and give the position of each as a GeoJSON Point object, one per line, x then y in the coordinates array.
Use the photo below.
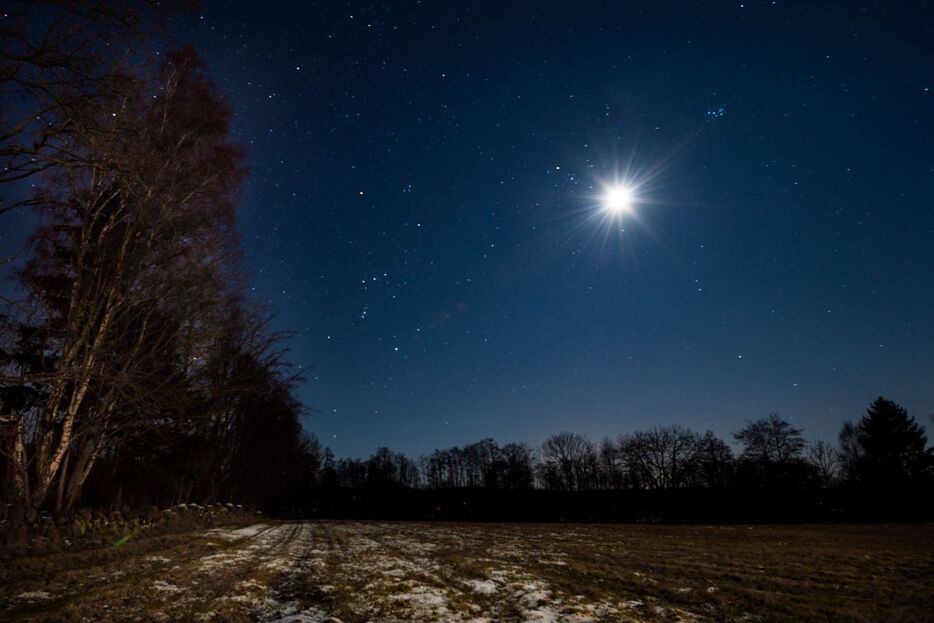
{"type": "Point", "coordinates": [362, 571]}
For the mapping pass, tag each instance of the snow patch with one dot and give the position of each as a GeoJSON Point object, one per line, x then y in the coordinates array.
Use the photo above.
{"type": "Point", "coordinates": [34, 596]}
{"type": "Point", "coordinates": [165, 587]}
{"type": "Point", "coordinates": [237, 534]}
{"type": "Point", "coordinates": [484, 587]}
{"type": "Point", "coordinates": [423, 597]}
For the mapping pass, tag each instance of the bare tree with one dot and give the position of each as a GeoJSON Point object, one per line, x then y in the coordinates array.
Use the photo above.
{"type": "Point", "coordinates": [611, 467]}
{"type": "Point", "coordinates": [770, 440]}
{"type": "Point", "coordinates": [56, 58]}
{"type": "Point", "coordinates": [826, 460]}
{"type": "Point", "coordinates": [569, 461]}
{"type": "Point", "coordinates": [713, 462]}
{"type": "Point", "coordinates": [851, 451]}
{"type": "Point", "coordinates": [517, 467]}
{"type": "Point", "coordinates": [662, 458]}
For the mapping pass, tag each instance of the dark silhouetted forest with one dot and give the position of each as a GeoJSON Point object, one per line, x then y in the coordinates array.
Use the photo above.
{"type": "Point", "coordinates": [880, 469]}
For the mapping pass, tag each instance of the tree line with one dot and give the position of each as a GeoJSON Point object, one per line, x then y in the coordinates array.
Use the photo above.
{"type": "Point", "coordinates": [133, 368]}
{"type": "Point", "coordinates": [880, 467]}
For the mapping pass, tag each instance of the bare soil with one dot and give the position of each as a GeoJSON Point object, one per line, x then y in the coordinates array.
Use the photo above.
{"type": "Point", "coordinates": [315, 572]}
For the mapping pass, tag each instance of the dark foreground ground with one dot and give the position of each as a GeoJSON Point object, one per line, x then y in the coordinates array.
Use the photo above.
{"type": "Point", "coordinates": [351, 571]}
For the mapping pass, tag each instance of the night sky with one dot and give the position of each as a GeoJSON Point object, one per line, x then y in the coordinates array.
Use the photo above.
{"type": "Point", "coordinates": [424, 210]}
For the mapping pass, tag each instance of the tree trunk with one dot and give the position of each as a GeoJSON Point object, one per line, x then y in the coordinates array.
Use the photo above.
{"type": "Point", "coordinates": [17, 476]}
{"type": "Point", "coordinates": [87, 454]}
{"type": "Point", "coordinates": [60, 494]}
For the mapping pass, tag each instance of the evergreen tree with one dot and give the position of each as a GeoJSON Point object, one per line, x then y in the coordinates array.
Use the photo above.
{"type": "Point", "coordinates": [891, 448]}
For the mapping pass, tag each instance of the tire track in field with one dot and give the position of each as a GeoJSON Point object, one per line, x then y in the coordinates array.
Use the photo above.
{"type": "Point", "coordinates": [366, 578]}
{"type": "Point", "coordinates": [406, 572]}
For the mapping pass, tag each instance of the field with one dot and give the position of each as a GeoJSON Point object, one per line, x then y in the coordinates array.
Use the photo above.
{"type": "Point", "coordinates": [360, 571]}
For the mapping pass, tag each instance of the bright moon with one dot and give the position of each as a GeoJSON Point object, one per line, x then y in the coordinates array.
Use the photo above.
{"type": "Point", "coordinates": [618, 199]}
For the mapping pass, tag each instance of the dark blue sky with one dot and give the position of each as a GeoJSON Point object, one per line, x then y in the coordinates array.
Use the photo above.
{"type": "Point", "coordinates": [423, 211]}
